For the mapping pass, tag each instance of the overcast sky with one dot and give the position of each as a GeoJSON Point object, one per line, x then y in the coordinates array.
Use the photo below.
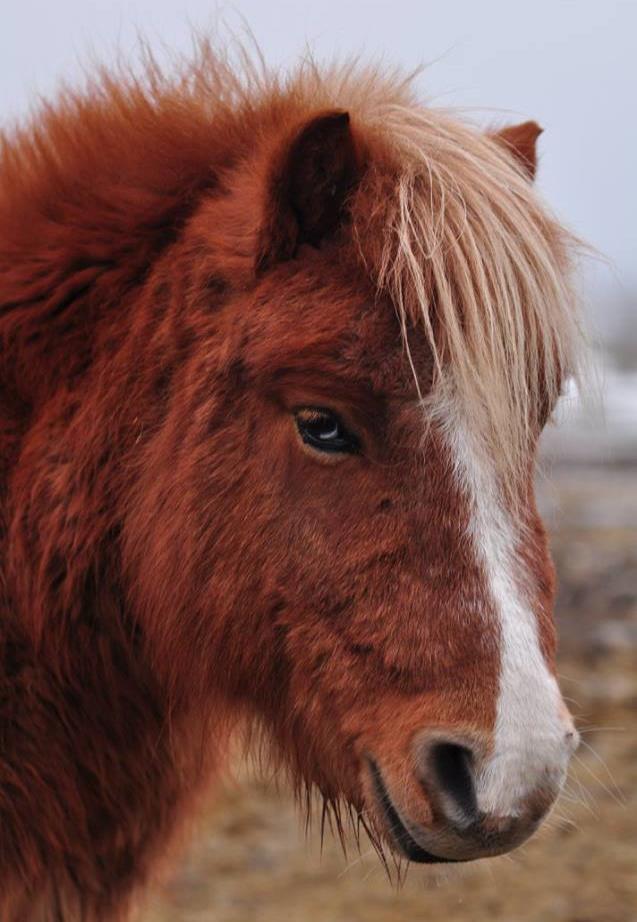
{"type": "Point", "coordinates": [570, 64]}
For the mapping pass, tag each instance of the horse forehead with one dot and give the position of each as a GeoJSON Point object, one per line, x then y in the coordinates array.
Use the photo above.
{"type": "Point", "coordinates": [341, 323]}
{"type": "Point", "coordinates": [342, 328]}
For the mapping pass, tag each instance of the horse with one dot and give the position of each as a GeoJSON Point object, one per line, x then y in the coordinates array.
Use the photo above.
{"type": "Point", "coordinates": [276, 351]}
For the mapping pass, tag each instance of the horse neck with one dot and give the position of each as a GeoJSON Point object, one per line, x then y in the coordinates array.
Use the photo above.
{"type": "Point", "coordinates": [76, 255]}
{"type": "Point", "coordinates": [77, 346]}
{"type": "Point", "coordinates": [49, 323]}
{"type": "Point", "coordinates": [88, 201]}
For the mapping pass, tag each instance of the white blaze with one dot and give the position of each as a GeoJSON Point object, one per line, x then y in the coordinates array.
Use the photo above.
{"type": "Point", "coordinates": [529, 751]}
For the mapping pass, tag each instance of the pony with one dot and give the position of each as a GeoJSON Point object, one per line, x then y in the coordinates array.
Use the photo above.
{"type": "Point", "coordinates": [276, 351]}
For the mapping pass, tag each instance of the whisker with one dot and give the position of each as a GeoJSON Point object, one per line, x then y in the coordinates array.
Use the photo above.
{"type": "Point", "coordinates": [621, 798]}
{"type": "Point", "coordinates": [358, 860]}
{"type": "Point", "coordinates": [612, 794]}
{"type": "Point", "coordinates": [601, 729]}
{"type": "Point", "coordinates": [588, 796]}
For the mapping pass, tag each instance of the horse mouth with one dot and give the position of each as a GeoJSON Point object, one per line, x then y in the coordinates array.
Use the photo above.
{"type": "Point", "coordinates": [396, 829]}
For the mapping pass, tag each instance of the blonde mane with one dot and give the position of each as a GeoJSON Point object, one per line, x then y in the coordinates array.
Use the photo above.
{"type": "Point", "coordinates": [472, 256]}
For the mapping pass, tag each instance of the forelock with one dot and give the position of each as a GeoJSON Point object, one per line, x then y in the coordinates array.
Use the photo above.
{"type": "Point", "coordinates": [456, 236]}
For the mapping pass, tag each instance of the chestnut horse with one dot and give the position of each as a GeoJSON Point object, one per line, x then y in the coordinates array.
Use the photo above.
{"type": "Point", "coordinates": [275, 354]}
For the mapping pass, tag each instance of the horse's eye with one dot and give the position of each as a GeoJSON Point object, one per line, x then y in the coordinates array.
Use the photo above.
{"type": "Point", "coordinates": [321, 429]}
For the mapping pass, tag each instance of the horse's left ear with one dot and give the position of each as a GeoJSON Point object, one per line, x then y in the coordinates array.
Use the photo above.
{"type": "Point", "coordinates": [308, 183]}
{"type": "Point", "coordinates": [521, 140]}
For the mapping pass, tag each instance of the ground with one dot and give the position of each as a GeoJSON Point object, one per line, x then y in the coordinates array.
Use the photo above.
{"type": "Point", "coordinates": [251, 860]}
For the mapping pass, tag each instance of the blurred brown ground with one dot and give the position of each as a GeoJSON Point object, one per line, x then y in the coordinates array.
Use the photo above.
{"type": "Point", "coordinates": [251, 860]}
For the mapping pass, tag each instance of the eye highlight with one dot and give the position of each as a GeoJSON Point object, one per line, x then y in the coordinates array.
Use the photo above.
{"type": "Point", "coordinates": [322, 430]}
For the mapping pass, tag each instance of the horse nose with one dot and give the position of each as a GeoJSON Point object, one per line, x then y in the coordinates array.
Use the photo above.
{"type": "Point", "coordinates": [485, 806]}
{"type": "Point", "coordinates": [479, 800]}
{"type": "Point", "coordinates": [451, 781]}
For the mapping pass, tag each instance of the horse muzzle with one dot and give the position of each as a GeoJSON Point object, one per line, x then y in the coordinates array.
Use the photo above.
{"type": "Point", "coordinates": [453, 780]}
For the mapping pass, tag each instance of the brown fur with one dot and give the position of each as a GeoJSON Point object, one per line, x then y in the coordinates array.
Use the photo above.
{"type": "Point", "coordinates": [178, 272]}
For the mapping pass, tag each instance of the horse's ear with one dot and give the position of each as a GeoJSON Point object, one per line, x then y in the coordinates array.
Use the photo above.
{"type": "Point", "coordinates": [521, 140]}
{"type": "Point", "coordinates": [308, 185]}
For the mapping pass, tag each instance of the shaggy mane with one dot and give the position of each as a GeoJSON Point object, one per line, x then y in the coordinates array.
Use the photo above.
{"type": "Point", "coordinates": [467, 251]}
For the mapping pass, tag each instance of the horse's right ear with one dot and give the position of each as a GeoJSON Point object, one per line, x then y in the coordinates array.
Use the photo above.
{"type": "Point", "coordinates": [521, 142]}
{"type": "Point", "coordinates": [307, 187]}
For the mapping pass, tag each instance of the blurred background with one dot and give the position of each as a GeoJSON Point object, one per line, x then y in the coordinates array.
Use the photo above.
{"type": "Point", "coordinates": [569, 64]}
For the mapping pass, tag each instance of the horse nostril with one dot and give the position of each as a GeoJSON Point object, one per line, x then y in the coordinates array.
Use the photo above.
{"type": "Point", "coordinates": [451, 766]}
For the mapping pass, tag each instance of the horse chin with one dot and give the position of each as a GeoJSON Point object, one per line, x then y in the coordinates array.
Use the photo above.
{"type": "Point", "coordinates": [397, 834]}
